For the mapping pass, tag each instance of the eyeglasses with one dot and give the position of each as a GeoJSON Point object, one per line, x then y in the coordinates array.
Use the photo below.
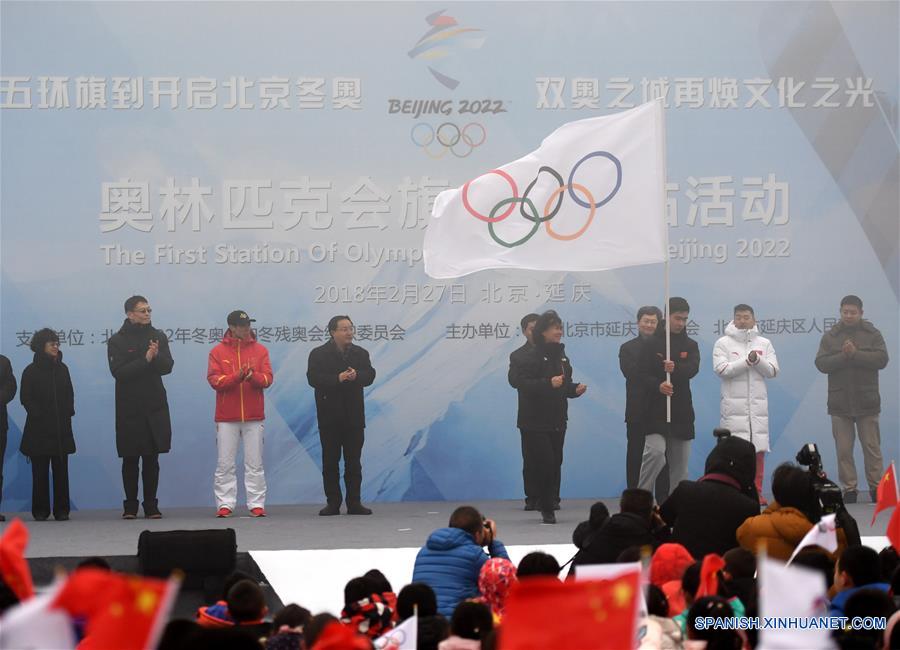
{"type": "Point", "coordinates": [145, 310]}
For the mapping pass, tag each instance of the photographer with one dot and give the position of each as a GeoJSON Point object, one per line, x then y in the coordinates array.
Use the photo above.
{"type": "Point", "coordinates": [786, 521]}
{"type": "Point", "coordinates": [452, 557]}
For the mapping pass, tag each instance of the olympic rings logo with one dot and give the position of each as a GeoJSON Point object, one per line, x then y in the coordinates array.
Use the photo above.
{"type": "Point", "coordinates": [552, 205]}
{"type": "Point", "coordinates": [449, 137]}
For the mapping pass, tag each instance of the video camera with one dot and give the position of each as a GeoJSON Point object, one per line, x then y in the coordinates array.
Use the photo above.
{"type": "Point", "coordinates": [828, 494]}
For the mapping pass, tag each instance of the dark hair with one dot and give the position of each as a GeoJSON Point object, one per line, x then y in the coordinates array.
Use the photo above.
{"type": "Point", "coordinates": [743, 307]}
{"type": "Point", "coordinates": [468, 519]}
{"type": "Point", "coordinates": [41, 338]}
{"type": "Point", "coordinates": [133, 302]}
{"type": "Point", "coordinates": [630, 554]}
{"type": "Point", "coordinates": [333, 323]}
{"type": "Point", "coordinates": [8, 597]}
{"type": "Point", "coordinates": [599, 515]}
{"type": "Point", "coordinates": [817, 559]}
{"type": "Point", "coordinates": [793, 487]}
{"type": "Point", "coordinates": [649, 310]}
{"type": "Point", "coordinates": [895, 582]}
{"type": "Point", "coordinates": [861, 563]}
{"type": "Point", "coordinates": [538, 563]}
{"type": "Point", "coordinates": [432, 630]}
{"type": "Point", "coordinates": [416, 596]}
{"type": "Point", "coordinates": [528, 318]}
{"type": "Point", "coordinates": [544, 322]}
{"type": "Point", "coordinates": [868, 602]}
{"type": "Point", "coordinates": [740, 563]}
{"type": "Point", "coordinates": [291, 615]}
{"type": "Point", "coordinates": [94, 562]}
{"type": "Point", "coordinates": [246, 601]}
{"type": "Point", "coordinates": [313, 629]}
{"type": "Point", "coordinates": [471, 620]}
{"type": "Point", "coordinates": [677, 304]}
{"type": "Point", "coordinates": [232, 579]}
{"type": "Point", "coordinates": [358, 588]}
{"type": "Point", "coordinates": [657, 603]}
{"type": "Point", "coordinates": [636, 501]}
{"type": "Point", "coordinates": [851, 300]}
{"type": "Point", "coordinates": [716, 639]}
{"type": "Point", "coordinates": [889, 562]}
{"type": "Point", "coordinates": [690, 580]}
{"type": "Point", "coordinates": [380, 583]}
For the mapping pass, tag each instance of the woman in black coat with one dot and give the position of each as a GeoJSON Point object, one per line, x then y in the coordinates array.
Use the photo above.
{"type": "Point", "coordinates": [545, 376]}
{"type": "Point", "coordinates": [49, 402]}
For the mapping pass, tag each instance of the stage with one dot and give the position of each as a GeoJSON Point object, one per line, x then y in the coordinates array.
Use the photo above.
{"type": "Point", "coordinates": [307, 559]}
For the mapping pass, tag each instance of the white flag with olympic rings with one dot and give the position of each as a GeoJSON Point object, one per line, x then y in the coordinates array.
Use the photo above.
{"type": "Point", "coordinates": [590, 198]}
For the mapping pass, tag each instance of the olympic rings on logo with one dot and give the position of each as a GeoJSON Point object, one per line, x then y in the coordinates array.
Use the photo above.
{"type": "Point", "coordinates": [553, 204]}
{"type": "Point", "coordinates": [449, 138]}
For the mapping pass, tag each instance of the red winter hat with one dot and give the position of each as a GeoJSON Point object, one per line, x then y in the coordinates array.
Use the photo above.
{"type": "Point", "coordinates": [668, 563]}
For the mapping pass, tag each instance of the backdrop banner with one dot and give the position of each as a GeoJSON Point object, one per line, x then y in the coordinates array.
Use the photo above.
{"type": "Point", "coordinates": [284, 159]}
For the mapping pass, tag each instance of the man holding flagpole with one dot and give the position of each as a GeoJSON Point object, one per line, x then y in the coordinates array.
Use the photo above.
{"type": "Point", "coordinates": [670, 441]}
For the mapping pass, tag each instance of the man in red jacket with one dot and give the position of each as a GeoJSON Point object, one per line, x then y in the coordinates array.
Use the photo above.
{"type": "Point", "coordinates": [239, 372]}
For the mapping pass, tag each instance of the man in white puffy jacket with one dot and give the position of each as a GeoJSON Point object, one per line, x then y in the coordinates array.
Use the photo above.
{"type": "Point", "coordinates": [744, 360]}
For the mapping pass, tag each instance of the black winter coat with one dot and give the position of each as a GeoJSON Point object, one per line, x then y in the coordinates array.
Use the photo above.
{"type": "Point", "coordinates": [641, 384]}
{"type": "Point", "coordinates": [542, 407]}
{"type": "Point", "coordinates": [619, 532]}
{"type": "Point", "coordinates": [686, 356]}
{"type": "Point", "coordinates": [49, 401]}
{"type": "Point", "coordinates": [143, 426]}
{"type": "Point", "coordinates": [705, 514]}
{"type": "Point", "coordinates": [7, 392]}
{"type": "Point", "coordinates": [339, 404]}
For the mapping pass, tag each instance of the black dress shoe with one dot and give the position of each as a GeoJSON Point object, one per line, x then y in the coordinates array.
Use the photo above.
{"type": "Point", "coordinates": [330, 510]}
{"type": "Point", "coordinates": [548, 517]}
{"type": "Point", "coordinates": [63, 516]}
{"type": "Point", "coordinates": [358, 509]}
{"type": "Point", "coordinates": [40, 517]}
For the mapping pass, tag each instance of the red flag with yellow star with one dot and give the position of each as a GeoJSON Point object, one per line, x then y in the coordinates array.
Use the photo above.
{"type": "Point", "coordinates": [893, 529]}
{"type": "Point", "coordinates": [13, 568]}
{"type": "Point", "coordinates": [886, 496]}
{"type": "Point", "coordinates": [123, 611]}
{"type": "Point", "coordinates": [545, 613]}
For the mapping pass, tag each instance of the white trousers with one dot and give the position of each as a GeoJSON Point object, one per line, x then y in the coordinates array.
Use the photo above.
{"type": "Point", "coordinates": [659, 450]}
{"type": "Point", "coordinates": [228, 437]}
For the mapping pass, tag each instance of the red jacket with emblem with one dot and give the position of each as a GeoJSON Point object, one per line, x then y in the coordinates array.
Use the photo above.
{"type": "Point", "coordinates": [239, 400]}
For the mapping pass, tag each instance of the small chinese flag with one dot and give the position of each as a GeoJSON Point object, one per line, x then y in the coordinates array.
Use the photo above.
{"type": "Point", "coordinates": [893, 529]}
{"type": "Point", "coordinates": [545, 613]}
{"type": "Point", "coordinates": [123, 611]}
{"type": "Point", "coordinates": [709, 575]}
{"type": "Point", "coordinates": [13, 568]}
{"type": "Point", "coordinates": [886, 496]}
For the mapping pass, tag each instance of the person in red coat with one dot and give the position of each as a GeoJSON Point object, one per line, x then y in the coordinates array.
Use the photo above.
{"type": "Point", "coordinates": [239, 371]}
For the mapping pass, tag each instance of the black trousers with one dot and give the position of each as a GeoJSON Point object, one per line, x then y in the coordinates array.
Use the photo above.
{"type": "Point", "coordinates": [149, 474]}
{"type": "Point", "coordinates": [40, 485]}
{"type": "Point", "coordinates": [529, 474]}
{"type": "Point", "coordinates": [544, 451]}
{"type": "Point", "coordinates": [346, 441]}
{"type": "Point", "coordinates": [2, 454]}
{"type": "Point", "coordinates": [634, 453]}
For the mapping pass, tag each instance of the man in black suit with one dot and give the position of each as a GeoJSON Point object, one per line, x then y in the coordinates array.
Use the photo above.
{"type": "Point", "coordinates": [339, 371]}
{"type": "Point", "coordinates": [7, 392]}
{"type": "Point", "coordinates": [639, 390]}
{"type": "Point", "coordinates": [516, 358]}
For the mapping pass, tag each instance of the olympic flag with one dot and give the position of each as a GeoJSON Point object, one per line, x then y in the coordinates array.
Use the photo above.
{"type": "Point", "coordinates": [593, 199]}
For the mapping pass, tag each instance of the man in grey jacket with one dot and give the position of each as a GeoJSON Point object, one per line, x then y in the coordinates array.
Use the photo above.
{"type": "Point", "coordinates": [851, 353]}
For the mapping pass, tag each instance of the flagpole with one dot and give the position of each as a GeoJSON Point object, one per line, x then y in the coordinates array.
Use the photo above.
{"type": "Point", "coordinates": [662, 166]}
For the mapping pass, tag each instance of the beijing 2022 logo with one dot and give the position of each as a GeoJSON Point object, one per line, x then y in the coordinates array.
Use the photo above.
{"type": "Point", "coordinates": [554, 202]}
